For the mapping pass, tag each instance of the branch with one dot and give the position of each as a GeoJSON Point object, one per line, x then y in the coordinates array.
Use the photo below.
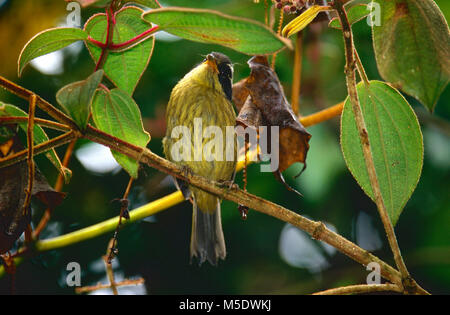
{"type": "Point", "coordinates": [108, 267]}
{"type": "Point", "coordinates": [108, 286]}
{"type": "Point", "coordinates": [40, 148]}
{"type": "Point", "coordinates": [37, 121]}
{"type": "Point", "coordinates": [280, 25]}
{"type": "Point", "coordinates": [316, 229]}
{"type": "Point", "coordinates": [30, 163]}
{"type": "Point", "coordinates": [368, 158]}
{"type": "Point", "coordinates": [361, 288]}
{"type": "Point", "coordinates": [41, 103]}
{"type": "Point", "coordinates": [109, 225]}
{"type": "Point", "coordinates": [322, 115]}
{"type": "Point", "coordinates": [123, 209]}
{"type": "Point", "coordinates": [296, 79]}
{"type": "Point", "coordinates": [30, 153]}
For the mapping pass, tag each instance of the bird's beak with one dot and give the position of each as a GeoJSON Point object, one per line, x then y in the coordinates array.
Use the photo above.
{"type": "Point", "coordinates": [210, 61]}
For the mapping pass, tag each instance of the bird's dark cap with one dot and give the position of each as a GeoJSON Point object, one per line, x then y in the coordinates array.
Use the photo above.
{"type": "Point", "coordinates": [219, 57]}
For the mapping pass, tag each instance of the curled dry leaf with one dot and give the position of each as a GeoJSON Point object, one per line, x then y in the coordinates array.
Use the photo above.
{"type": "Point", "coordinates": [266, 105]}
{"type": "Point", "coordinates": [13, 183]}
{"type": "Point", "coordinates": [240, 94]}
{"type": "Point", "coordinates": [250, 115]}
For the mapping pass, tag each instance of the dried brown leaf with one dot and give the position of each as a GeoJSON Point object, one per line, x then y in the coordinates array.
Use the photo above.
{"type": "Point", "coordinates": [267, 94]}
{"type": "Point", "coordinates": [261, 102]}
{"type": "Point", "coordinates": [240, 94]}
{"type": "Point", "coordinates": [250, 115]}
{"type": "Point", "coordinates": [13, 183]}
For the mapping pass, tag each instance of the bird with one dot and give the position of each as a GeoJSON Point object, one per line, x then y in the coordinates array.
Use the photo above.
{"type": "Point", "coordinates": [204, 95]}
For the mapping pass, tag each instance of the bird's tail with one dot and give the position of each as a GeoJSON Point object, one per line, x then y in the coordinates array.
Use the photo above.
{"type": "Point", "coordinates": [207, 240]}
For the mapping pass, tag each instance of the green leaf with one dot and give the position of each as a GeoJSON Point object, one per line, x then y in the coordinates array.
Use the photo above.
{"type": "Point", "coordinates": [207, 26]}
{"type": "Point", "coordinates": [355, 14]}
{"type": "Point", "coordinates": [412, 48]}
{"type": "Point", "coordinates": [116, 113]}
{"type": "Point", "coordinates": [48, 41]}
{"type": "Point", "coordinates": [76, 98]}
{"type": "Point", "coordinates": [152, 4]}
{"type": "Point", "coordinates": [7, 110]}
{"type": "Point", "coordinates": [123, 68]}
{"type": "Point", "coordinates": [396, 143]}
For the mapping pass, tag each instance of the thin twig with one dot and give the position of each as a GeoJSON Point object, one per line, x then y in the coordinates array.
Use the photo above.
{"type": "Point", "coordinates": [123, 207]}
{"type": "Point", "coordinates": [361, 289]}
{"type": "Point", "coordinates": [58, 187]}
{"type": "Point", "coordinates": [40, 148]}
{"type": "Point", "coordinates": [41, 103]}
{"type": "Point", "coordinates": [297, 75]}
{"type": "Point", "coordinates": [108, 266]}
{"type": "Point", "coordinates": [280, 26]}
{"type": "Point", "coordinates": [30, 165]}
{"type": "Point", "coordinates": [109, 225]}
{"type": "Point", "coordinates": [30, 153]}
{"type": "Point", "coordinates": [362, 130]}
{"type": "Point", "coordinates": [246, 150]}
{"type": "Point", "coordinates": [37, 121]}
{"type": "Point", "coordinates": [322, 115]}
{"type": "Point", "coordinates": [107, 286]}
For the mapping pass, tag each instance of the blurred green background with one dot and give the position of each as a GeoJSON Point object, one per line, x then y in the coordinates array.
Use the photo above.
{"type": "Point", "coordinates": [265, 256]}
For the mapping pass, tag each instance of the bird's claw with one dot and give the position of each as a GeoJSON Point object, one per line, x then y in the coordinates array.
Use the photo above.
{"type": "Point", "coordinates": [187, 171]}
{"type": "Point", "coordinates": [228, 184]}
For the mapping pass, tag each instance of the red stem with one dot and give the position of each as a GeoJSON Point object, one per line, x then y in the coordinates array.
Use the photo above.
{"type": "Point", "coordinates": [134, 39]}
{"type": "Point", "coordinates": [101, 85]}
{"type": "Point", "coordinates": [97, 43]}
{"type": "Point", "coordinates": [101, 59]}
{"type": "Point", "coordinates": [127, 43]}
{"type": "Point", "coordinates": [112, 15]}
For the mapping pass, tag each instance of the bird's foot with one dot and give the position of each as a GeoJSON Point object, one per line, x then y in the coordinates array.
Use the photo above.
{"type": "Point", "coordinates": [187, 171]}
{"type": "Point", "coordinates": [228, 184]}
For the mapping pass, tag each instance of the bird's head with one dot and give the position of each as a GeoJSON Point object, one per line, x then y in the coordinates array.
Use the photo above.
{"type": "Point", "coordinates": [216, 71]}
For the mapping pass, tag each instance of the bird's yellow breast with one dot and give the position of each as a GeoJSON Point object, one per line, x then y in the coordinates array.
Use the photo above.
{"type": "Point", "coordinates": [199, 95]}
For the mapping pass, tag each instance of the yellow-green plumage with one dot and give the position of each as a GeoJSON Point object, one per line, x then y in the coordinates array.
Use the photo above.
{"type": "Point", "coordinates": [200, 95]}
